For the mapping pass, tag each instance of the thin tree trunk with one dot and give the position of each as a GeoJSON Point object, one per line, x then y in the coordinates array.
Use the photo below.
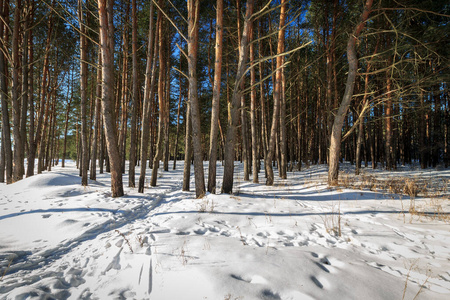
{"type": "Point", "coordinates": [101, 161]}
{"type": "Point", "coordinates": [25, 89]}
{"type": "Point", "coordinates": [124, 91]}
{"type": "Point", "coordinates": [150, 75]}
{"type": "Point", "coordinates": [66, 124]}
{"type": "Point", "coordinates": [6, 130]}
{"type": "Point", "coordinates": [193, 27]}
{"type": "Point", "coordinates": [187, 149]}
{"type": "Point", "coordinates": [83, 96]}
{"type": "Point", "coordinates": [234, 105]}
{"type": "Point", "coordinates": [336, 135]}
{"type": "Point", "coordinates": [283, 130]}
{"type": "Point", "coordinates": [135, 98]}
{"type": "Point", "coordinates": [98, 95]}
{"type": "Point", "coordinates": [175, 152]}
{"type": "Point", "coordinates": [31, 133]}
{"type": "Point", "coordinates": [276, 96]}
{"type": "Point", "coordinates": [40, 128]}
{"type": "Point", "coordinates": [161, 104]}
{"type": "Point", "coordinates": [255, 159]}
{"type": "Point", "coordinates": [17, 137]}
{"type": "Point", "coordinates": [216, 99]}
{"type": "Point", "coordinates": [107, 97]}
{"type": "Point", "coordinates": [167, 108]}
{"type": "Point", "coordinates": [243, 113]}
{"type": "Point", "coordinates": [264, 138]}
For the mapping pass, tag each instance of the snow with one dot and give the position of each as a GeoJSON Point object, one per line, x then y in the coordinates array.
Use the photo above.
{"type": "Point", "coordinates": [60, 240]}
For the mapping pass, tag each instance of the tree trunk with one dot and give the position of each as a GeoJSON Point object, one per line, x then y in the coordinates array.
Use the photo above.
{"type": "Point", "coordinates": [276, 96]}
{"type": "Point", "coordinates": [83, 97]}
{"type": "Point", "coordinates": [101, 160]}
{"type": "Point", "coordinates": [40, 131]}
{"type": "Point", "coordinates": [97, 131]}
{"type": "Point", "coordinates": [135, 98]}
{"type": "Point", "coordinates": [255, 159]}
{"type": "Point", "coordinates": [193, 24]}
{"type": "Point", "coordinates": [175, 151]}
{"type": "Point", "coordinates": [167, 108]}
{"type": "Point", "coordinates": [216, 99]}
{"type": "Point", "coordinates": [187, 149]}
{"type": "Point", "coordinates": [336, 135]}
{"type": "Point", "coordinates": [283, 130]}
{"type": "Point", "coordinates": [124, 90]}
{"type": "Point", "coordinates": [66, 124]}
{"type": "Point", "coordinates": [6, 129]}
{"type": "Point", "coordinates": [233, 107]}
{"type": "Point", "coordinates": [150, 75]}
{"type": "Point", "coordinates": [15, 97]}
{"type": "Point", "coordinates": [25, 89]}
{"type": "Point", "coordinates": [264, 138]}
{"type": "Point", "coordinates": [107, 97]}
{"type": "Point", "coordinates": [161, 104]}
{"type": "Point", "coordinates": [31, 133]}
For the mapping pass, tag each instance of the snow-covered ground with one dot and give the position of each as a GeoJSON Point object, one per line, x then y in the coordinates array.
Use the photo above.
{"type": "Point", "coordinates": [60, 240]}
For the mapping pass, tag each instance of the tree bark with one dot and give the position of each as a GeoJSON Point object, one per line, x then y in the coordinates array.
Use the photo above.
{"type": "Point", "coordinates": [193, 27]}
{"type": "Point", "coordinates": [161, 104]}
{"type": "Point", "coordinates": [40, 130]}
{"type": "Point", "coordinates": [6, 129]}
{"type": "Point", "coordinates": [187, 149]}
{"type": "Point", "coordinates": [135, 98]}
{"type": "Point", "coordinates": [276, 96]}
{"type": "Point", "coordinates": [25, 89]}
{"type": "Point", "coordinates": [107, 97]}
{"type": "Point", "coordinates": [15, 97]}
{"type": "Point", "coordinates": [336, 135]}
{"type": "Point", "coordinates": [233, 107]}
{"type": "Point", "coordinates": [97, 131]}
{"type": "Point", "coordinates": [255, 158]}
{"type": "Point", "coordinates": [83, 96]}
{"type": "Point", "coordinates": [175, 151]}
{"type": "Point", "coordinates": [66, 123]}
{"type": "Point", "coordinates": [150, 75]}
{"type": "Point", "coordinates": [216, 99]}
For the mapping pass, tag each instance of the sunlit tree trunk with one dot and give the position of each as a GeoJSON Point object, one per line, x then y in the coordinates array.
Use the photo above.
{"type": "Point", "coordinates": [135, 97]}
{"type": "Point", "coordinates": [107, 97]}
{"type": "Point", "coordinates": [123, 96]}
{"type": "Point", "coordinates": [187, 149]}
{"type": "Point", "coordinates": [193, 24]}
{"type": "Point", "coordinates": [15, 97]}
{"type": "Point", "coordinates": [6, 129]}
{"type": "Point", "coordinates": [233, 107]}
{"type": "Point", "coordinates": [255, 158]}
{"type": "Point", "coordinates": [336, 134]}
{"type": "Point", "coordinates": [161, 104]}
{"type": "Point", "coordinates": [216, 98]}
{"type": "Point", "coordinates": [97, 131]}
{"type": "Point", "coordinates": [175, 151]}
{"type": "Point", "coordinates": [150, 75]}
{"type": "Point", "coordinates": [43, 107]}
{"type": "Point", "coordinates": [25, 88]}
{"type": "Point", "coordinates": [83, 96]}
{"type": "Point", "coordinates": [276, 96]}
{"type": "Point", "coordinates": [66, 123]}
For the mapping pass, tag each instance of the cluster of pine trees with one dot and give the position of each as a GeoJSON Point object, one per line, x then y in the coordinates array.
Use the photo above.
{"type": "Point", "coordinates": [282, 83]}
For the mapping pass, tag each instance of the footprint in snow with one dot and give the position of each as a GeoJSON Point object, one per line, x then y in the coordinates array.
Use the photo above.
{"type": "Point", "coordinates": [316, 282]}
{"type": "Point", "coordinates": [225, 233]}
{"type": "Point", "coordinates": [200, 231]}
{"type": "Point", "coordinates": [214, 229]}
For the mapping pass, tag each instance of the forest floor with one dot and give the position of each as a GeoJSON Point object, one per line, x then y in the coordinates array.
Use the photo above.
{"type": "Point", "coordinates": [380, 235]}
